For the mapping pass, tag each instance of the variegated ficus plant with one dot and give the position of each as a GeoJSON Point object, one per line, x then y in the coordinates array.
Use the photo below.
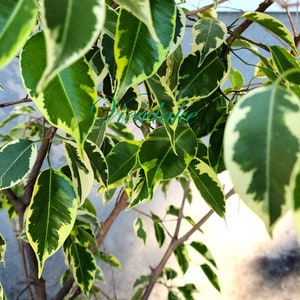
{"type": "Point", "coordinates": [95, 71]}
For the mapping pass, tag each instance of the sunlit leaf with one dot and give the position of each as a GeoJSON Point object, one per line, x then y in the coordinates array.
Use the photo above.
{"type": "Point", "coordinates": [16, 160]}
{"type": "Point", "coordinates": [208, 35]}
{"type": "Point", "coordinates": [212, 277]}
{"type": "Point", "coordinates": [2, 248]}
{"type": "Point", "coordinates": [199, 82]}
{"type": "Point", "coordinates": [182, 256]}
{"type": "Point", "coordinates": [273, 25]}
{"type": "Point", "coordinates": [17, 21]}
{"type": "Point", "coordinates": [69, 33]}
{"type": "Point", "coordinates": [51, 214]}
{"type": "Point", "coordinates": [158, 159]}
{"type": "Point", "coordinates": [261, 147]}
{"type": "Point", "coordinates": [84, 265]}
{"type": "Point", "coordinates": [61, 102]}
{"type": "Point", "coordinates": [208, 185]}
{"type": "Point", "coordinates": [81, 170]}
{"type": "Point", "coordinates": [137, 54]}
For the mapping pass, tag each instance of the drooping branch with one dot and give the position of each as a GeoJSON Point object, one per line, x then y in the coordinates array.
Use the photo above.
{"type": "Point", "coordinates": [174, 243]}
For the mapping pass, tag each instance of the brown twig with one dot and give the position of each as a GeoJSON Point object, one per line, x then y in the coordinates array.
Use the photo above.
{"type": "Point", "coordinates": [23, 100]}
{"type": "Point", "coordinates": [204, 8]}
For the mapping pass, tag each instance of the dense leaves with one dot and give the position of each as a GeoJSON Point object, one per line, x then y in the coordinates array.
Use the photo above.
{"type": "Point", "coordinates": [133, 112]}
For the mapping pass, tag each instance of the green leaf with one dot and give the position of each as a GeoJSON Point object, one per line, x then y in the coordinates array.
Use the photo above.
{"type": "Point", "coordinates": [140, 9]}
{"type": "Point", "coordinates": [215, 147]}
{"type": "Point", "coordinates": [236, 78]}
{"type": "Point", "coordinates": [167, 105]}
{"type": "Point", "coordinates": [159, 161]}
{"type": "Point", "coordinates": [16, 160]}
{"type": "Point", "coordinates": [187, 291]}
{"type": "Point", "coordinates": [137, 189]}
{"type": "Point", "coordinates": [140, 229]}
{"type": "Point", "coordinates": [138, 294]}
{"type": "Point", "coordinates": [170, 273]}
{"type": "Point", "coordinates": [110, 260]}
{"type": "Point", "coordinates": [199, 82]}
{"type": "Point", "coordinates": [273, 25]}
{"type": "Point", "coordinates": [87, 217]}
{"type": "Point", "coordinates": [84, 266]}
{"type": "Point", "coordinates": [97, 133]}
{"type": "Point", "coordinates": [182, 256]}
{"type": "Point", "coordinates": [17, 21]}
{"type": "Point", "coordinates": [69, 33]}
{"type": "Point", "coordinates": [2, 294]}
{"type": "Point", "coordinates": [261, 145]}
{"type": "Point", "coordinates": [285, 61]}
{"type": "Point", "coordinates": [137, 54]}
{"type": "Point", "coordinates": [294, 196]}
{"type": "Point", "coordinates": [61, 102]}
{"type": "Point", "coordinates": [142, 280]}
{"type": "Point", "coordinates": [98, 162]}
{"type": "Point", "coordinates": [208, 185]}
{"type": "Point", "coordinates": [110, 25]}
{"type": "Point", "coordinates": [121, 160]}
{"type": "Point", "coordinates": [2, 248]}
{"type": "Point", "coordinates": [173, 296]}
{"type": "Point", "coordinates": [212, 277]}
{"type": "Point", "coordinates": [159, 232]}
{"type": "Point", "coordinates": [208, 35]}
{"type": "Point", "coordinates": [81, 170]}
{"type": "Point", "coordinates": [204, 251]}
{"type": "Point", "coordinates": [51, 214]}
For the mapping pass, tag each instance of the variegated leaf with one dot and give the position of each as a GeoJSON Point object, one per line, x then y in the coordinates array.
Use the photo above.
{"type": "Point", "coordinates": [273, 25]}
{"type": "Point", "coordinates": [261, 147]}
{"type": "Point", "coordinates": [285, 61]}
{"type": "Point", "coordinates": [199, 82]}
{"type": "Point", "coordinates": [137, 189]}
{"type": "Point", "coordinates": [179, 29]}
{"type": "Point", "coordinates": [69, 33]}
{"type": "Point", "coordinates": [140, 229]}
{"type": "Point", "coordinates": [16, 160]}
{"type": "Point", "coordinates": [120, 160]}
{"type": "Point", "coordinates": [110, 25]}
{"type": "Point", "coordinates": [208, 185]}
{"type": "Point", "coordinates": [137, 54]}
{"type": "Point", "coordinates": [2, 295]}
{"type": "Point", "coordinates": [140, 9]}
{"type": "Point", "coordinates": [2, 248]}
{"type": "Point", "coordinates": [83, 263]}
{"type": "Point", "coordinates": [294, 195]}
{"type": "Point", "coordinates": [98, 162]}
{"type": "Point", "coordinates": [167, 105]}
{"type": "Point", "coordinates": [68, 100]}
{"type": "Point", "coordinates": [159, 160]}
{"type": "Point", "coordinates": [51, 214]}
{"type": "Point", "coordinates": [208, 35]}
{"type": "Point", "coordinates": [17, 21]}
{"type": "Point", "coordinates": [81, 170]}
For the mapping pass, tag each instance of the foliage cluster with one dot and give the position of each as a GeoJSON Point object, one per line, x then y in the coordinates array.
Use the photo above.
{"type": "Point", "coordinates": [93, 71]}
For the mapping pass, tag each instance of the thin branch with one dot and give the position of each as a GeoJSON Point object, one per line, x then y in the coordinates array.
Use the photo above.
{"type": "Point", "coordinates": [24, 100]}
{"type": "Point", "coordinates": [244, 25]}
{"type": "Point", "coordinates": [180, 212]}
{"type": "Point", "coordinates": [204, 8]}
{"type": "Point", "coordinates": [172, 246]}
